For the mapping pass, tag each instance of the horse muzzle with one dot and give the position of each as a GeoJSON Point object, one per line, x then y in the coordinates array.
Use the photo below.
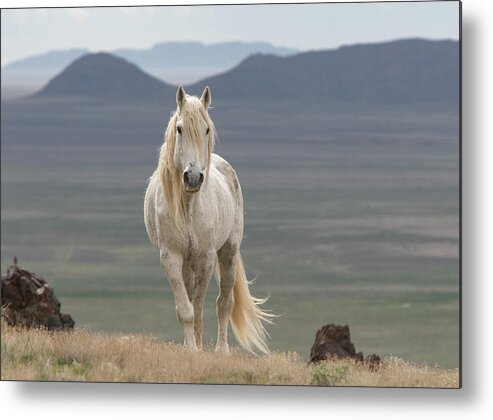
{"type": "Point", "coordinates": [192, 180]}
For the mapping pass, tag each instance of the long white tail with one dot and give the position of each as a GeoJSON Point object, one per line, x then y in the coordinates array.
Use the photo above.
{"type": "Point", "coordinates": [247, 315]}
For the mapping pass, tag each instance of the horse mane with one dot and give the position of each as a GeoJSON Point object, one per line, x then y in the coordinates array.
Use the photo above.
{"type": "Point", "coordinates": [171, 178]}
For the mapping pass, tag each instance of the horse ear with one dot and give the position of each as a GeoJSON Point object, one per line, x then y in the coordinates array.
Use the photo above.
{"type": "Point", "coordinates": [206, 97]}
{"type": "Point", "coordinates": [180, 96]}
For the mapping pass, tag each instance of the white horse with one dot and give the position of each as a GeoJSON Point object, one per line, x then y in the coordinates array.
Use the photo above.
{"type": "Point", "coordinates": [194, 216]}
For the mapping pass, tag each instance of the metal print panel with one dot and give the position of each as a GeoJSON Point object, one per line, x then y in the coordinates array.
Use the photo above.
{"type": "Point", "coordinates": [237, 194]}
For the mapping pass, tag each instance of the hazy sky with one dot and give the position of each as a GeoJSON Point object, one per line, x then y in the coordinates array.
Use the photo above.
{"type": "Point", "coordinates": [304, 26]}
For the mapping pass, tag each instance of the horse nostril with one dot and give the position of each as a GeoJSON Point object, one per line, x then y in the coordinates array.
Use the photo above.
{"type": "Point", "coordinates": [201, 178]}
{"type": "Point", "coordinates": [185, 177]}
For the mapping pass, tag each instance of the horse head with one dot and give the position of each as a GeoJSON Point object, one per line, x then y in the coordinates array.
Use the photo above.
{"type": "Point", "coordinates": [194, 134]}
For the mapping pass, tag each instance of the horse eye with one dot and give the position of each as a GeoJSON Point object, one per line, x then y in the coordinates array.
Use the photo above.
{"type": "Point", "coordinates": [178, 129]}
{"type": "Point", "coordinates": [208, 129]}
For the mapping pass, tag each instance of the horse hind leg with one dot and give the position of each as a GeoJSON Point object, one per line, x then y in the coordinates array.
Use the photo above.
{"type": "Point", "coordinates": [172, 264]}
{"type": "Point", "coordinates": [227, 258]}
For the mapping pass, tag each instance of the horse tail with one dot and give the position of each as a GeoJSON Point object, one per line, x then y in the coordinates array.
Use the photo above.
{"type": "Point", "coordinates": [247, 315]}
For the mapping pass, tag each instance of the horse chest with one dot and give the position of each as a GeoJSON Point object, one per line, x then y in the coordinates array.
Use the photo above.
{"type": "Point", "coordinates": [193, 247]}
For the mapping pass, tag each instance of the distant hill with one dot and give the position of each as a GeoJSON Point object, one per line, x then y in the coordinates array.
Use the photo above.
{"type": "Point", "coordinates": [406, 71]}
{"type": "Point", "coordinates": [105, 77]}
{"type": "Point", "coordinates": [182, 62]}
{"type": "Point", "coordinates": [52, 61]}
{"type": "Point", "coordinates": [196, 54]}
{"type": "Point", "coordinates": [412, 70]}
{"type": "Point", "coordinates": [176, 62]}
{"type": "Point", "coordinates": [25, 76]}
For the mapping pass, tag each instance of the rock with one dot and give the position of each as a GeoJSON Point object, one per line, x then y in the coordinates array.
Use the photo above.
{"type": "Point", "coordinates": [28, 300]}
{"type": "Point", "coordinates": [372, 360]}
{"type": "Point", "coordinates": [334, 342]}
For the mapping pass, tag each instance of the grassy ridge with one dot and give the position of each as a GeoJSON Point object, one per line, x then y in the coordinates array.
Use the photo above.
{"type": "Point", "coordinates": [421, 325]}
{"type": "Point", "coordinates": [82, 355]}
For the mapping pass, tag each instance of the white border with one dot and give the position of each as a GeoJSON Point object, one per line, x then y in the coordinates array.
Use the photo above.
{"type": "Point", "coordinates": [123, 401]}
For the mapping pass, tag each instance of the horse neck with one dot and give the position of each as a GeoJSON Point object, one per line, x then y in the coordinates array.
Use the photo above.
{"type": "Point", "coordinates": [190, 202]}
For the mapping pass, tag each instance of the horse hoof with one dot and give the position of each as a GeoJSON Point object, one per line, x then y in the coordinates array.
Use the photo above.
{"type": "Point", "coordinates": [224, 349]}
{"type": "Point", "coordinates": [191, 347]}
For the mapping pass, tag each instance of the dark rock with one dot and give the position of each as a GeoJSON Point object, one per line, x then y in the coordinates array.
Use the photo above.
{"type": "Point", "coordinates": [28, 300]}
{"type": "Point", "coordinates": [373, 361]}
{"type": "Point", "coordinates": [334, 342]}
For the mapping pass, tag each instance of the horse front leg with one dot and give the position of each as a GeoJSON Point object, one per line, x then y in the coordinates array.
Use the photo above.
{"type": "Point", "coordinates": [205, 268]}
{"type": "Point", "coordinates": [172, 264]}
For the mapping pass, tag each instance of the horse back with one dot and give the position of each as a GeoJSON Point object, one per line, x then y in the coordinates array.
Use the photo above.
{"type": "Point", "coordinates": [229, 175]}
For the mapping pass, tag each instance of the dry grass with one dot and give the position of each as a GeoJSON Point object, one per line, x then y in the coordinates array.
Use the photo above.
{"type": "Point", "coordinates": [83, 355]}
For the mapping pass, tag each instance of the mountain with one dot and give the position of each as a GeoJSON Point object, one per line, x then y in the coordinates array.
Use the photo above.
{"type": "Point", "coordinates": [175, 62]}
{"type": "Point", "coordinates": [403, 71]}
{"type": "Point", "coordinates": [53, 61]}
{"type": "Point", "coordinates": [187, 62]}
{"type": "Point", "coordinates": [196, 54]}
{"type": "Point", "coordinates": [105, 77]}
{"type": "Point", "coordinates": [23, 77]}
